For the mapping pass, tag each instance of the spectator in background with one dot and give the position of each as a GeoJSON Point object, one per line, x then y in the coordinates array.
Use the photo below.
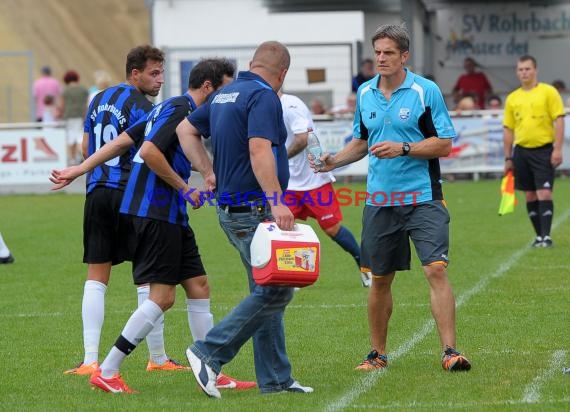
{"type": "Point", "coordinates": [347, 108]}
{"type": "Point", "coordinates": [472, 82]}
{"type": "Point", "coordinates": [366, 73]}
{"type": "Point", "coordinates": [494, 102]}
{"type": "Point", "coordinates": [44, 85]}
{"type": "Point", "coordinates": [5, 255]}
{"type": "Point", "coordinates": [51, 113]}
{"type": "Point", "coordinates": [73, 106]}
{"type": "Point", "coordinates": [559, 85]}
{"type": "Point", "coordinates": [467, 103]}
{"type": "Point", "coordinates": [318, 106]}
{"type": "Point", "coordinates": [102, 81]}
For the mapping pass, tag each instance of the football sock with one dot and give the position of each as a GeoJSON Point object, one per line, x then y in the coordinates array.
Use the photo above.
{"type": "Point", "coordinates": [138, 326]}
{"type": "Point", "coordinates": [546, 209]}
{"type": "Point", "coordinates": [534, 216]}
{"type": "Point", "coordinates": [346, 240]}
{"type": "Point", "coordinates": [200, 319]}
{"type": "Point", "coordinates": [4, 251]}
{"type": "Point", "coordinates": [155, 339]}
{"type": "Point", "coordinates": [93, 314]}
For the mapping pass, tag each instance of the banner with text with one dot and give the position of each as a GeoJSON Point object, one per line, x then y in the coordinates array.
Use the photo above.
{"type": "Point", "coordinates": [478, 147]}
{"type": "Point", "coordinates": [495, 34]}
{"type": "Point", "coordinates": [27, 156]}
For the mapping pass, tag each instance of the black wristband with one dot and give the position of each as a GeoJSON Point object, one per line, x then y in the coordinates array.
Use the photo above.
{"type": "Point", "coordinates": [508, 158]}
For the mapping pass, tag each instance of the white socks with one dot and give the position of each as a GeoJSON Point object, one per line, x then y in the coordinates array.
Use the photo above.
{"type": "Point", "coordinates": [4, 251]}
{"type": "Point", "coordinates": [137, 328]}
{"type": "Point", "coordinates": [93, 314]}
{"type": "Point", "coordinates": [199, 318]}
{"type": "Point", "coordinates": [155, 339]}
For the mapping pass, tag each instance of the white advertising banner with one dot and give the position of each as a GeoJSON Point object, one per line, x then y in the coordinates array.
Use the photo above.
{"type": "Point", "coordinates": [27, 156]}
{"type": "Point", "coordinates": [334, 135]}
{"type": "Point", "coordinates": [477, 148]}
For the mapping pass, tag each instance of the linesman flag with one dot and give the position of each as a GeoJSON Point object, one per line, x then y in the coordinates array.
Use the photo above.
{"type": "Point", "coordinates": [508, 199]}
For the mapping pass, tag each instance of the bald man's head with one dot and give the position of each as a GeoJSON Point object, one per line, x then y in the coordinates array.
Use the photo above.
{"type": "Point", "coordinates": [271, 56]}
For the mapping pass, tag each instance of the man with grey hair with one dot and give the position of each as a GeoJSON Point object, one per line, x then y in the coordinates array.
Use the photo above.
{"type": "Point", "coordinates": [402, 124]}
{"type": "Point", "coordinates": [245, 123]}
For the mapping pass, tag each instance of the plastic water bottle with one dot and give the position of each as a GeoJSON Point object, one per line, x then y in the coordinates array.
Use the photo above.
{"type": "Point", "coordinates": [314, 149]}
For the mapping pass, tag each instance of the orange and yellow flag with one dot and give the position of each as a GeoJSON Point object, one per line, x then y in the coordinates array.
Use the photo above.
{"type": "Point", "coordinates": [508, 199]}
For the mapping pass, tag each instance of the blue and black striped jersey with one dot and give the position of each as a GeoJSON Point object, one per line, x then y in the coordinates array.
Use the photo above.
{"type": "Point", "coordinates": [146, 194]}
{"type": "Point", "coordinates": [110, 113]}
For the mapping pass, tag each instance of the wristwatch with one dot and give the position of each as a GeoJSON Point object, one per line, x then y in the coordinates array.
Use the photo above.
{"type": "Point", "coordinates": [405, 148]}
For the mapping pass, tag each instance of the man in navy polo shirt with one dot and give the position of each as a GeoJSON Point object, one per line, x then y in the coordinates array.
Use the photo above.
{"type": "Point", "coordinates": [245, 122]}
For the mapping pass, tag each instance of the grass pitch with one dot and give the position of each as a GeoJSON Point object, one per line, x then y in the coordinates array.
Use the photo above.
{"type": "Point", "coordinates": [512, 318]}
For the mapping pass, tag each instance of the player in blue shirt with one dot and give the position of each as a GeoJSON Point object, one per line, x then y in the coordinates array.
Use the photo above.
{"type": "Point", "coordinates": [402, 124]}
{"type": "Point", "coordinates": [245, 122]}
{"type": "Point", "coordinates": [111, 112]}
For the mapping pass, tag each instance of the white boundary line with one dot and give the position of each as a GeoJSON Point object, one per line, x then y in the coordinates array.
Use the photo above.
{"type": "Point", "coordinates": [370, 378]}
{"type": "Point", "coordinates": [532, 391]}
{"type": "Point", "coordinates": [446, 405]}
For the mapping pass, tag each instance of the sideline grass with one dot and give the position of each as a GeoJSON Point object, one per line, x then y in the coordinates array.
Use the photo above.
{"type": "Point", "coordinates": [510, 329]}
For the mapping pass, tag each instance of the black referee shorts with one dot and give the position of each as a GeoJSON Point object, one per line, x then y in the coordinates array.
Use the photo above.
{"type": "Point", "coordinates": [533, 170]}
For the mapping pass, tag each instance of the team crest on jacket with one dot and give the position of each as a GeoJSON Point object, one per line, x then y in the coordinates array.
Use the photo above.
{"type": "Point", "coordinates": [404, 113]}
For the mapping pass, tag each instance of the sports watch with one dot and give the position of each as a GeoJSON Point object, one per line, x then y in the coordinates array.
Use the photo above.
{"type": "Point", "coordinates": [405, 148]}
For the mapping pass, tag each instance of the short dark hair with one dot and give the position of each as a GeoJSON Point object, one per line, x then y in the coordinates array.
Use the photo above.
{"type": "Point", "coordinates": [528, 57]}
{"type": "Point", "coordinates": [210, 69]}
{"type": "Point", "coordinates": [138, 57]}
{"type": "Point", "coordinates": [70, 76]}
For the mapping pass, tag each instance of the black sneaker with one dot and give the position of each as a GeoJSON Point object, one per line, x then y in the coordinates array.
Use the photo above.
{"type": "Point", "coordinates": [537, 242]}
{"type": "Point", "coordinates": [7, 259]}
{"type": "Point", "coordinates": [547, 241]}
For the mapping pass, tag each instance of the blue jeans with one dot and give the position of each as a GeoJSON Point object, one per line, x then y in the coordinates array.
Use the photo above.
{"type": "Point", "coordinates": [259, 315]}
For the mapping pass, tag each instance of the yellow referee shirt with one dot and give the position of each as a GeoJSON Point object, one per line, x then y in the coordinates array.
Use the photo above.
{"type": "Point", "coordinates": [531, 114]}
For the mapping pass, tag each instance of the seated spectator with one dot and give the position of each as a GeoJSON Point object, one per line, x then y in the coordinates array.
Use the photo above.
{"type": "Point", "coordinates": [347, 108]}
{"type": "Point", "coordinates": [559, 85]}
{"type": "Point", "coordinates": [318, 106]}
{"type": "Point", "coordinates": [367, 71]}
{"type": "Point", "coordinates": [494, 102]}
{"type": "Point", "coordinates": [467, 103]}
{"type": "Point", "coordinates": [472, 82]}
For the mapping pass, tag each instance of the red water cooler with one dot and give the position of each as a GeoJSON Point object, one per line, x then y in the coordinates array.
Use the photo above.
{"type": "Point", "coordinates": [285, 257]}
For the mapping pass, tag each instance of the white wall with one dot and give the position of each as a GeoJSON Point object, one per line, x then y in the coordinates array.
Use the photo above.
{"type": "Point", "coordinates": [183, 23]}
{"type": "Point", "coordinates": [207, 28]}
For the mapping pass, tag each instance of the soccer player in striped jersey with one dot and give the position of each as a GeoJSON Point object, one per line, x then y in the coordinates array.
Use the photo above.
{"type": "Point", "coordinates": [111, 112]}
{"type": "Point", "coordinates": [165, 252]}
